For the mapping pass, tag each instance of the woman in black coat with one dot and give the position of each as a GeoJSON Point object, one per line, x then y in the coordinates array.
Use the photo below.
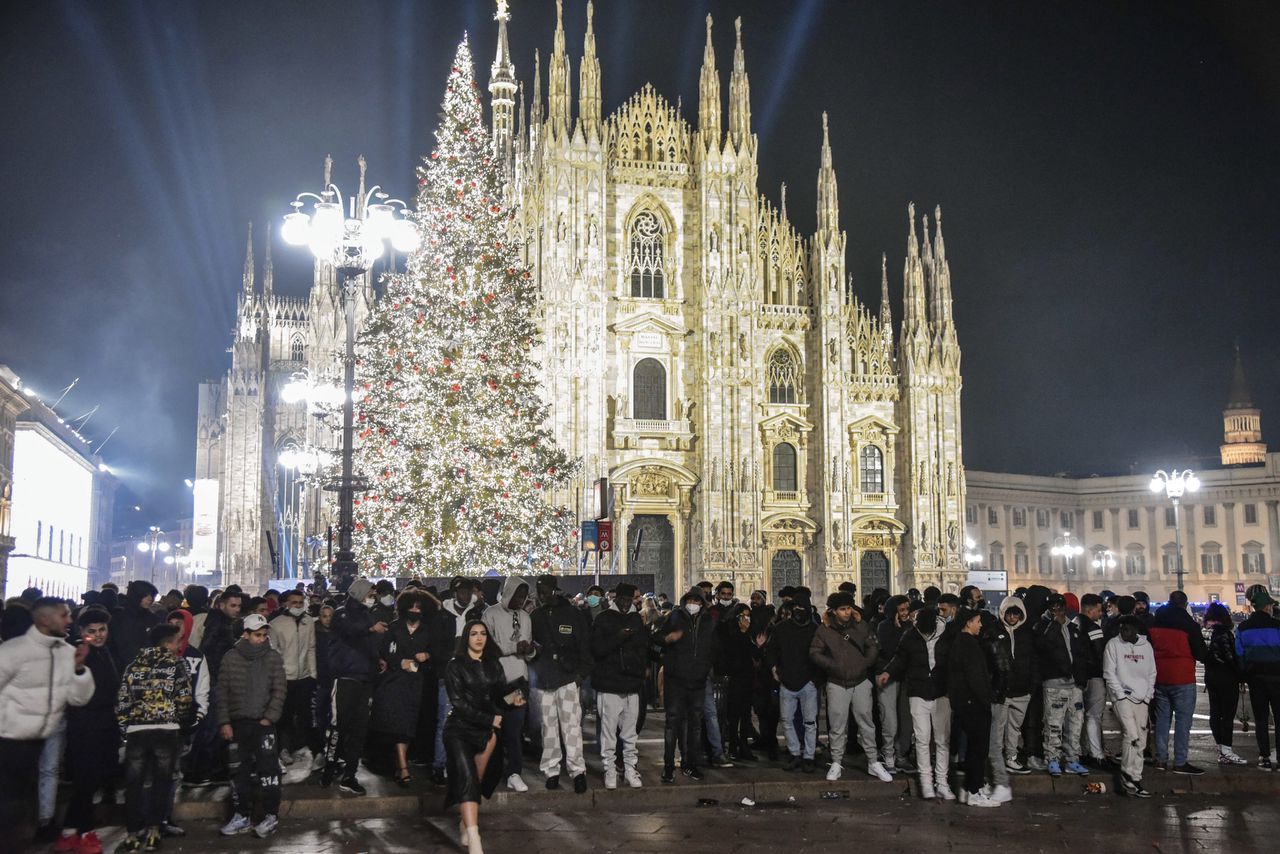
{"type": "Point", "coordinates": [397, 699]}
{"type": "Point", "coordinates": [739, 661]}
{"type": "Point", "coordinates": [477, 689]}
{"type": "Point", "coordinates": [1222, 681]}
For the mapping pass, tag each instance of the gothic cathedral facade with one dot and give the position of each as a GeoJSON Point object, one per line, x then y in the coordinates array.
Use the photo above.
{"type": "Point", "coordinates": [756, 419]}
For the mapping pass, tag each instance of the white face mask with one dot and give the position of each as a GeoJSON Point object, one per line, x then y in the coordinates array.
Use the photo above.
{"type": "Point", "coordinates": [693, 608]}
{"type": "Point", "coordinates": [726, 600]}
{"type": "Point", "coordinates": [388, 600]}
{"type": "Point", "coordinates": [298, 612]}
{"type": "Point", "coordinates": [370, 602]}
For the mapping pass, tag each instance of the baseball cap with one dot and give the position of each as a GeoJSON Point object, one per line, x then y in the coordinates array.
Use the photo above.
{"type": "Point", "coordinates": [253, 622]}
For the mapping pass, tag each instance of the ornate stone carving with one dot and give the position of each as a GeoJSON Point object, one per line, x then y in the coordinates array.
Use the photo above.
{"type": "Point", "coordinates": [650, 481]}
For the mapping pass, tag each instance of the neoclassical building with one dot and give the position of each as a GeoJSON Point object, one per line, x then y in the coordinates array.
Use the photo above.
{"type": "Point", "coordinates": [759, 417]}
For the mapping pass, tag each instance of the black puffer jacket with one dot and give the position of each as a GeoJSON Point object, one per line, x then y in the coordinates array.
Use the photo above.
{"type": "Point", "coordinates": [1222, 666]}
{"type": "Point", "coordinates": [888, 636]}
{"type": "Point", "coordinates": [1052, 654]}
{"type": "Point", "coordinates": [476, 690]}
{"type": "Point", "coordinates": [788, 651]}
{"type": "Point", "coordinates": [968, 678]}
{"type": "Point", "coordinates": [689, 660]}
{"type": "Point", "coordinates": [218, 638]}
{"type": "Point", "coordinates": [353, 647]}
{"type": "Point", "coordinates": [1094, 642]}
{"type": "Point", "coordinates": [563, 636]}
{"type": "Point", "coordinates": [99, 714]}
{"type": "Point", "coordinates": [620, 646]}
{"type": "Point", "coordinates": [911, 662]}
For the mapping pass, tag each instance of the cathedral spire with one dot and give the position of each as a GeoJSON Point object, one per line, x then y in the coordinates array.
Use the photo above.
{"type": "Point", "coordinates": [248, 263]}
{"type": "Point", "coordinates": [589, 83]}
{"type": "Point", "coordinates": [535, 112]}
{"type": "Point", "coordinates": [783, 208]}
{"type": "Point", "coordinates": [915, 323]}
{"type": "Point", "coordinates": [940, 298]}
{"type": "Point", "coordinates": [558, 92]}
{"type": "Point", "coordinates": [268, 274]}
{"type": "Point", "coordinates": [886, 309]}
{"type": "Point", "coordinates": [828, 196]}
{"type": "Point", "coordinates": [709, 94]}
{"type": "Point", "coordinates": [502, 87]}
{"type": "Point", "coordinates": [739, 94]}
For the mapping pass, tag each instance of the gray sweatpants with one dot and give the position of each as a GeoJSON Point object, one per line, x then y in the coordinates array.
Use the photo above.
{"type": "Point", "coordinates": [839, 703]}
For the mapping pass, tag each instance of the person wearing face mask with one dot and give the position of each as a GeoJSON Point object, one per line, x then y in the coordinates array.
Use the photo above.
{"type": "Point", "coordinates": [921, 664]}
{"type": "Point", "coordinates": [293, 635]}
{"type": "Point", "coordinates": [895, 710]}
{"type": "Point", "coordinates": [403, 657]}
{"type": "Point", "coordinates": [787, 657]}
{"type": "Point", "coordinates": [445, 629]}
{"type": "Point", "coordinates": [384, 606]}
{"type": "Point", "coordinates": [353, 657]}
{"type": "Point", "coordinates": [511, 628]}
{"type": "Point", "coordinates": [691, 647]}
{"type": "Point", "coordinates": [595, 602]}
{"type": "Point", "coordinates": [563, 641]}
{"type": "Point", "coordinates": [620, 646]}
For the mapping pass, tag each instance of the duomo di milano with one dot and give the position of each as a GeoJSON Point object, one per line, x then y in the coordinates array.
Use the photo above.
{"type": "Point", "coordinates": [757, 419]}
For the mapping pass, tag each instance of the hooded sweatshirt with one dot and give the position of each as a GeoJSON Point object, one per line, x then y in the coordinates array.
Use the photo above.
{"type": "Point", "coordinates": [1016, 655]}
{"type": "Point", "coordinates": [1129, 670]}
{"type": "Point", "coordinates": [508, 626]}
{"type": "Point", "coordinates": [196, 669]}
{"type": "Point", "coordinates": [155, 692]}
{"type": "Point", "coordinates": [921, 660]}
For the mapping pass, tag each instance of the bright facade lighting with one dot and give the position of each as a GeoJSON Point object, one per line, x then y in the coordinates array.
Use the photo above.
{"type": "Point", "coordinates": [1176, 483]}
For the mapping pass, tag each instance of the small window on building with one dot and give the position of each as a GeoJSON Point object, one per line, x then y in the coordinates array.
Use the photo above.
{"type": "Point", "coordinates": [970, 514]}
{"type": "Point", "coordinates": [1210, 515]}
{"type": "Point", "coordinates": [993, 516]}
{"type": "Point", "coordinates": [1066, 520]}
{"type": "Point", "coordinates": [1042, 518]}
{"type": "Point", "coordinates": [1019, 517]}
{"type": "Point", "coordinates": [1097, 520]}
{"type": "Point", "coordinates": [1132, 519]}
{"type": "Point", "coordinates": [1021, 561]}
{"type": "Point", "coordinates": [1211, 559]}
{"type": "Point", "coordinates": [1255, 563]}
{"type": "Point", "coordinates": [1251, 514]}
{"type": "Point", "coordinates": [297, 349]}
{"type": "Point", "coordinates": [1135, 561]}
{"type": "Point", "coordinates": [784, 467]}
{"type": "Point", "coordinates": [871, 469]}
{"type": "Point", "coordinates": [784, 377]}
{"type": "Point", "coordinates": [997, 557]}
{"type": "Point", "coordinates": [1170, 517]}
{"type": "Point", "coordinates": [1044, 560]}
{"type": "Point", "coordinates": [1169, 559]}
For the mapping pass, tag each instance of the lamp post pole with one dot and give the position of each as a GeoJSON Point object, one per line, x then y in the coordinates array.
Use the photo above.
{"type": "Point", "coordinates": [350, 243]}
{"type": "Point", "coordinates": [1174, 485]}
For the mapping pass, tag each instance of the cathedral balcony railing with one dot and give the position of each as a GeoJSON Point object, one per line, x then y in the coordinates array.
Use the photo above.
{"type": "Point", "coordinates": [793, 317]}
{"type": "Point", "coordinates": [673, 435]}
{"type": "Point", "coordinates": [787, 497]}
{"type": "Point", "coordinates": [632, 305]}
{"type": "Point", "coordinates": [874, 497]}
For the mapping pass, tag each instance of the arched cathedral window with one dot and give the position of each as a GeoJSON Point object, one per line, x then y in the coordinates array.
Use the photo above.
{"type": "Point", "coordinates": [871, 469]}
{"type": "Point", "coordinates": [649, 390]}
{"type": "Point", "coordinates": [647, 248]}
{"type": "Point", "coordinates": [784, 377]}
{"type": "Point", "coordinates": [784, 467]}
{"type": "Point", "coordinates": [297, 349]}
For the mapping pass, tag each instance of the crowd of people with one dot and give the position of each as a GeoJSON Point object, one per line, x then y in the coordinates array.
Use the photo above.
{"type": "Point", "coordinates": [138, 693]}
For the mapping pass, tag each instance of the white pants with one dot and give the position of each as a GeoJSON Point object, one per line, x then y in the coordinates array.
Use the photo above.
{"type": "Point", "coordinates": [561, 710]}
{"type": "Point", "coordinates": [931, 720]}
{"type": "Point", "coordinates": [1134, 722]}
{"type": "Point", "coordinates": [618, 716]}
{"type": "Point", "coordinates": [839, 702]}
{"type": "Point", "coordinates": [887, 699]}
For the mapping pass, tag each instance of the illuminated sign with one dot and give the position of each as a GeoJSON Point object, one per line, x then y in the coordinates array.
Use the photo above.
{"type": "Point", "coordinates": [204, 531]}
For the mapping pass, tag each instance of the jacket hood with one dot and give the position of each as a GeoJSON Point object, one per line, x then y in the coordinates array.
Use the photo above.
{"type": "Point", "coordinates": [138, 589]}
{"type": "Point", "coordinates": [695, 592]}
{"type": "Point", "coordinates": [937, 631]}
{"type": "Point", "coordinates": [197, 597]}
{"type": "Point", "coordinates": [1010, 602]}
{"type": "Point", "coordinates": [185, 634]}
{"type": "Point", "coordinates": [359, 589]}
{"type": "Point", "coordinates": [510, 587]}
{"type": "Point", "coordinates": [1037, 599]}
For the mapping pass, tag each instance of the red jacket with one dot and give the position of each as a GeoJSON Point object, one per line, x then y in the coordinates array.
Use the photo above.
{"type": "Point", "coordinates": [1178, 644]}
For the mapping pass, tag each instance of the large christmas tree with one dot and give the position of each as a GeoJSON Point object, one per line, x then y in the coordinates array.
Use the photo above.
{"type": "Point", "coordinates": [451, 429]}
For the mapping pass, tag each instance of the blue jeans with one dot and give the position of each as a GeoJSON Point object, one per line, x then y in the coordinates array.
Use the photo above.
{"type": "Point", "coordinates": [808, 700]}
{"type": "Point", "coordinates": [1180, 701]}
{"type": "Point", "coordinates": [50, 766]}
{"type": "Point", "coordinates": [712, 719]}
{"type": "Point", "coordinates": [442, 714]}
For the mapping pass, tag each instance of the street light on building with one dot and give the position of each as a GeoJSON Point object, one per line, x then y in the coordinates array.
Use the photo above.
{"type": "Point", "coordinates": [350, 241]}
{"type": "Point", "coordinates": [155, 546]}
{"type": "Point", "coordinates": [1064, 548]}
{"type": "Point", "coordinates": [1174, 485]}
{"type": "Point", "coordinates": [1104, 560]}
{"type": "Point", "coordinates": [972, 557]}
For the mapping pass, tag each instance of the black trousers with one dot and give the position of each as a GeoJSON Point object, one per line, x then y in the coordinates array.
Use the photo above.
{"type": "Point", "coordinates": [352, 701]}
{"type": "Point", "coordinates": [1264, 696]}
{"type": "Point", "coordinates": [19, 762]}
{"type": "Point", "coordinates": [298, 723]}
{"type": "Point", "coordinates": [684, 705]}
{"type": "Point", "coordinates": [974, 722]}
{"type": "Point", "coordinates": [91, 759]}
{"type": "Point", "coordinates": [737, 733]}
{"type": "Point", "coordinates": [1224, 699]}
{"type": "Point", "coordinates": [150, 755]}
{"type": "Point", "coordinates": [766, 705]}
{"type": "Point", "coordinates": [254, 758]}
{"type": "Point", "coordinates": [1033, 724]}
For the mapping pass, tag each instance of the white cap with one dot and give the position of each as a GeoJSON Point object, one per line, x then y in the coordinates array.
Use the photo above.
{"type": "Point", "coordinates": [253, 622]}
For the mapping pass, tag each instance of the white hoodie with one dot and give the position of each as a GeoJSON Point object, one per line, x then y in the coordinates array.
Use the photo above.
{"type": "Point", "coordinates": [1129, 670]}
{"type": "Point", "coordinates": [508, 627]}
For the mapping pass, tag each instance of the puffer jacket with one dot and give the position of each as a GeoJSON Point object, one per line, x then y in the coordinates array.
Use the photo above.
{"type": "Point", "coordinates": [1060, 651]}
{"type": "Point", "coordinates": [508, 626]}
{"type": "Point", "coordinates": [251, 685]}
{"type": "Point", "coordinates": [563, 636]}
{"type": "Point", "coordinates": [968, 679]}
{"type": "Point", "coordinates": [1016, 654]}
{"type": "Point", "coordinates": [845, 653]}
{"type": "Point", "coordinates": [620, 647]}
{"type": "Point", "coordinates": [1257, 646]}
{"type": "Point", "coordinates": [295, 639]}
{"type": "Point", "coordinates": [1222, 667]}
{"type": "Point", "coordinates": [688, 661]}
{"type": "Point", "coordinates": [1175, 636]}
{"type": "Point", "coordinates": [353, 645]}
{"type": "Point", "coordinates": [921, 662]}
{"type": "Point", "coordinates": [155, 692]}
{"type": "Point", "coordinates": [38, 680]}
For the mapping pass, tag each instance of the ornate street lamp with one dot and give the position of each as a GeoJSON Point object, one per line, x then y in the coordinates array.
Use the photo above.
{"type": "Point", "coordinates": [1064, 548]}
{"type": "Point", "coordinates": [155, 546]}
{"type": "Point", "coordinates": [1175, 484]}
{"type": "Point", "coordinates": [350, 243]}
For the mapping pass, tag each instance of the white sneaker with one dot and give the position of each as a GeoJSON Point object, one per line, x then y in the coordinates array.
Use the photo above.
{"type": "Point", "coordinates": [516, 783]}
{"type": "Point", "coordinates": [632, 777]}
{"type": "Point", "coordinates": [610, 778]}
{"type": "Point", "coordinates": [927, 792]}
{"type": "Point", "coordinates": [238, 824]}
{"type": "Point", "coordinates": [963, 796]}
{"type": "Point", "coordinates": [834, 772]}
{"type": "Point", "coordinates": [979, 799]}
{"type": "Point", "coordinates": [881, 773]}
{"type": "Point", "coordinates": [944, 792]}
{"type": "Point", "coordinates": [266, 827]}
{"type": "Point", "coordinates": [1000, 794]}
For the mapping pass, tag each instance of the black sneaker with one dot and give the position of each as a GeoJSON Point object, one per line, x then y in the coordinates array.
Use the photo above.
{"type": "Point", "coordinates": [1265, 763]}
{"type": "Point", "coordinates": [553, 782]}
{"type": "Point", "coordinates": [806, 766]}
{"type": "Point", "coordinates": [793, 764]}
{"type": "Point", "coordinates": [171, 829]}
{"type": "Point", "coordinates": [352, 785]}
{"type": "Point", "coordinates": [438, 777]}
{"type": "Point", "coordinates": [720, 762]}
{"type": "Point", "coordinates": [1139, 792]}
{"type": "Point", "coordinates": [691, 772]}
{"type": "Point", "coordinates": [580, 783]}
{"type": "Point", "coordinates": [327, 776]}
{"type": "Point", "coordinates": [668, 775]}
{"type": "Point", "coordinates": [1188, 769]}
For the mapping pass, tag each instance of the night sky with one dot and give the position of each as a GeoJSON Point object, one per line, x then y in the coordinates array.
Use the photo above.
{"type": "Point", "coordinates": [1107, 172]}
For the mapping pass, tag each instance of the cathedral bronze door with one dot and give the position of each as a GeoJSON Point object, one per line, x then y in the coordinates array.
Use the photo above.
{"type": "Point", "coordinates": [875, 572]}
{"type": "Point", "coordinates": [787, 571]}
{"type": "Point", "coordinates": [652, 544]}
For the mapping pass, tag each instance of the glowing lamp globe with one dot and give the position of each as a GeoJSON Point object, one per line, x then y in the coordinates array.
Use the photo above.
{"type": "Point", "coordinates": [296, 230]}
